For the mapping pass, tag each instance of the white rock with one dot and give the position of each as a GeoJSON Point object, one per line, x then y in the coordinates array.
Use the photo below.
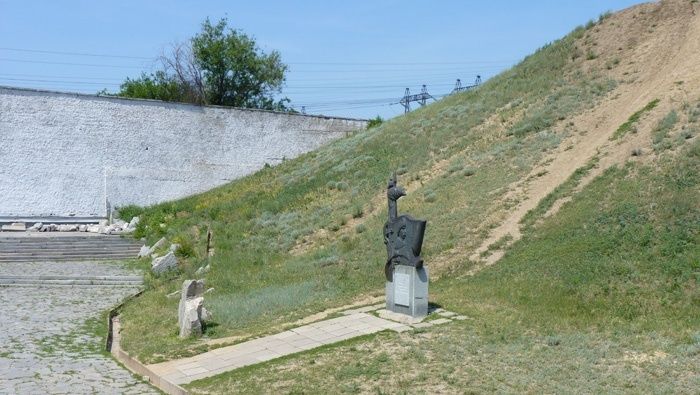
{"type": "Point", "coordinates": [164, 263]}
{"type": "Point", "coordinates": [148, 251]}
{"type": "Point", "coordinates": [82, 228]}
{"type": "Point", "coordinates": [49, 228]}
{"type": "Point", "coordinates": [36, 227]}
{"type": "Point", "coordinates": [158, 244]}
{"type": "Point", "coordinates": [173, 295]}
{"type": "Point", "coordinates": [174, 247]}
{"type": "Point", "coordinates": [144, 251]}
{"type": "Point", "coordinates": [202, 270]}
{"type": "Point", "coordinates": [93, 228]}
{"type": "Point", "coordinates": [133, 223]}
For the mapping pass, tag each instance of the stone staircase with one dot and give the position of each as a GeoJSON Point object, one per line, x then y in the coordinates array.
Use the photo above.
{"type": "Point", "coordinates": [43, 247]}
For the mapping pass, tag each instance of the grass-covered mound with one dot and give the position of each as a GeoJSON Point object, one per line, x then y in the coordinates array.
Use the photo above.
{"type": "Point", "coordinates": [602, 297]}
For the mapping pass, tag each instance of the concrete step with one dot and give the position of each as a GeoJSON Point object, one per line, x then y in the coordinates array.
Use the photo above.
{"type": "Point", "coordinates": [65, 256]}
{"type": "Point", "coordinates": [69, 253]}
{"type": "Point", "coordinates": [71, 280]}
{"type": "Point", "coordinates": [65, 259]}
{"type": "Point", "coordinates": [65, 240]}
{"type": "Point", "coordinates": [66, 247]}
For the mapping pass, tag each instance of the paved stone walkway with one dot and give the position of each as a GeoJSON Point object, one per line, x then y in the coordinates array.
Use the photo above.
{"type": "Point", "coordinates": [44, 346]}
{"type": "Point", "coordinates": [355, 323]}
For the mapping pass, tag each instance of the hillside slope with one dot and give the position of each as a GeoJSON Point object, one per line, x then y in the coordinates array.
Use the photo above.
{"type": "Point", "coordinates": [546, 164]}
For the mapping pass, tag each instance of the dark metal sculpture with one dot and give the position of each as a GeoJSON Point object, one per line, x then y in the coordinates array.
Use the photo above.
{"type": "Point", "coordinates": [403, 235]}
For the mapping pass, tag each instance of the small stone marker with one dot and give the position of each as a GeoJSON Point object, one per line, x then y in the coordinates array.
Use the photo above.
{"type": "Point", "coordinates": [191, 311]}
{"type": "Point", "coordinates": [406, 275]}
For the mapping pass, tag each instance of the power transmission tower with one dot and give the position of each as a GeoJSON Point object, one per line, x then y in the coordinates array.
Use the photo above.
{"type": "Point", "coordinates": [421, 98]}
{"type": "Point", "coordinates": [459, 87]}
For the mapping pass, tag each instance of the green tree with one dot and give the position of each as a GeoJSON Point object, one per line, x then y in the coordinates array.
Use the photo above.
{"type": "Point", "coordinates": [220, 66]}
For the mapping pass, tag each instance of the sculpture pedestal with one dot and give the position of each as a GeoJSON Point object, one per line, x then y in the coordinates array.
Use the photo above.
{"type": "Point", "coordinates": [408, 293]}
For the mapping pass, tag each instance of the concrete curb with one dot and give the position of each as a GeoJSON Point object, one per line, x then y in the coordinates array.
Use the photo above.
{"type": "Point", "coordinates": [113, 347]}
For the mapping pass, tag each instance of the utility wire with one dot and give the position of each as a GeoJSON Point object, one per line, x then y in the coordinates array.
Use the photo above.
{"type": "Point", "coordinates": [102, 55]}
{"type": "Point", "coordinates": [74, 53]}
{"type": "Point", "coordinates": [70, 64]}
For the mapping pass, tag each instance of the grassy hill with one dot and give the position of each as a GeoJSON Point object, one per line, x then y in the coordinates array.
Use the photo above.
{"type": "Point", "coordinates": [564, 220]}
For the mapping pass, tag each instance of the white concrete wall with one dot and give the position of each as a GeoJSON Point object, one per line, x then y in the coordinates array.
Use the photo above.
{"type": "Point", "coordinates": [67, 154]}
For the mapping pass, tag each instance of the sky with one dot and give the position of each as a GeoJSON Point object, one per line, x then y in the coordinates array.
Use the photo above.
{"type": "Point", "coordinates": [345, 58]}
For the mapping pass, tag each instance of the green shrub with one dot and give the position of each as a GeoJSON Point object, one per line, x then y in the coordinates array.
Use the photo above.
{"type": "Point", "coordinates": [126, 213]}
{"type": "Point", "coordinates": [357, 210]}
{"type": "Point", "coordinates": [661, 132]}
{"type": "Point", "coordinates": [374, 122]}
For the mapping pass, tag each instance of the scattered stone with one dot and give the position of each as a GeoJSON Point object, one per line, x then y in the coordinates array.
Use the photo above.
{"type": "Point", "coordinates": [158, 244]}
{"type": "Point", "coordinates": [174, 247]}
{"type": "Point", "coordinates": [202, 270]}
{"type": "Point", "coordinates": [93, 228]}
{"type": "Point", "coordinates": [144, 251]}
{"type": "Point", "coordinates": [191, 311]}
{"type": "Point", "coordinates": [15, 227]}
{"type": "Point", "coordinates": [36, 227]}
{"type": "Point", "coordinates": [133, 223]}
{"type": "Point", "coordinates": [148, 251]}
{"type": "Point", "coordinates": [173, 295]}
{"type": "Point", "coordinates": [461, 317]}
{"type": "Point", "coordinates": [164, 263]}
{"type": "Point", "coordinates": [440, 321]}
{"type": "Point", "coordinates": [82, 228]}
{"type": "Point", "coordinates": [446, 313]}
{"type": "Point", "coordinates": [210, 290]}
{"type": "Point", "coordinates": [423, 324]}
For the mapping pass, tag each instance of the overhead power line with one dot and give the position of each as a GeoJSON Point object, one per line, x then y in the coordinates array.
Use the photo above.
{"type": "Point", "coordinates": [335, 63]}
{"type": "Point", "coordinates": [62, 82]}
{"type": "Point", "coordinates": [75, 53]}
{"type": "Point", "coordinates": [70, 64]}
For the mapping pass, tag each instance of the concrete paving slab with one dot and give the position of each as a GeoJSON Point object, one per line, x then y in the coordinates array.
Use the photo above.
{"type": "Point", "coordinates": [295, 340]}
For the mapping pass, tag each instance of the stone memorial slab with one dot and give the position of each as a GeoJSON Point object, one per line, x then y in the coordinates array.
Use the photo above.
{"type": "Point", "coordinates": [402, 283]}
